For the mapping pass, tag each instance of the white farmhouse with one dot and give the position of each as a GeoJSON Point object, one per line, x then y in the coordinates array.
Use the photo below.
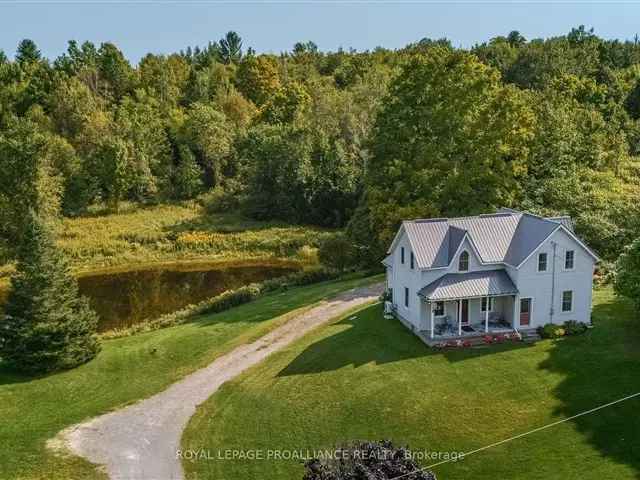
{"type": "Point", "coordinates": [499, 272]}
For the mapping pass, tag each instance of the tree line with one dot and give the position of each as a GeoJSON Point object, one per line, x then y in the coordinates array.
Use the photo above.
{"type": "Point", "coordinates": [345, 138]}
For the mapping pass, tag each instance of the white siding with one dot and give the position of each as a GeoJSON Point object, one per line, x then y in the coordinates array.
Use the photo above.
{"type": "Point", "coordinates": [531, 284]}
{"type": "Point", "coordinates": [402, 276]}
{"type": "Point", "coordinates": [538, 285]}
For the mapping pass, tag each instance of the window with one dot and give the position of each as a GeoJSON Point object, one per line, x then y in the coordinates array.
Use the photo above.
{"type": "Point", "coordinates": [402, 255]}
{"type": "Point", "coordinates": [463, 261]}
{"type": "Point", "coordinates": [568, 259]}
{"type": "Point", "coordinates": [438, 310]}
{"type": "Point", "coordinates": [411, 259]}
{"type": "Point", "coordinates": [542, 262]}
{"type": "Point", "coordinates": [484, 304]}
{"type": "Point", "coordinates": [406, 297]}
{"type": "Point", "coordinates": [567, 301]}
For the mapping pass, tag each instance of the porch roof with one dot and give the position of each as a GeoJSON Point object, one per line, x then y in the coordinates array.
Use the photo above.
{"type": "Point", "coordinates": [453, 286]}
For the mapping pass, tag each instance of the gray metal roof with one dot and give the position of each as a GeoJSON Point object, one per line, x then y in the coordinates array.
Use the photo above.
{"type": "Point", "coordinates": [468, 285]}
{"type": "Point", "coordinates": [508, 237]}
{"type": "Point", "coordinates": [564, 220]}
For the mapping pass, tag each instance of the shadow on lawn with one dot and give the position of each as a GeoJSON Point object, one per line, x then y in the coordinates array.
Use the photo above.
{"type": "Point", "coordinates": [602, 366]}
{"type": "Point", "coordinates": [460, 354]}
{"type": "Point", "coordinates": [10, 376]}
{"type": "Point", "coordinates": [368, 337]}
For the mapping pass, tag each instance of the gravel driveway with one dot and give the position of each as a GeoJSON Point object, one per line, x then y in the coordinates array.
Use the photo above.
{"type": "Point", "coordinates": [139, 442]}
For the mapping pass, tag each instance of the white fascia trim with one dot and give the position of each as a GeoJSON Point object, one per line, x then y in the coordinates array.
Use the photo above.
{"type": "Point", "coordinates": [538, 247]}
{"type": "Point", "coordinates": [395, 239]}
{"type": "Point", "coordinates": [568, 232]}
{"type": "Point", "coordinates": [473, 247]}
{"type": "Point", "coordinates": [579, 242]}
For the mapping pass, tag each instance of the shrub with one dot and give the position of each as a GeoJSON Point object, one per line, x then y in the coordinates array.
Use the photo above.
{"type": "Point", "coordinates": [551, 330]}
{"type": "Point", "coordinates": [336, 252]}
{"type": "Point", "coordinates": [367, 461]}
{"type": "Point", "coordinates": [232, 298]}
{"type": "Point", "coordinates": [227, 300]}
{"type": "Point", "coordinates": [223, 198]}
{"type": "Point", "coordinates": [572, 327]}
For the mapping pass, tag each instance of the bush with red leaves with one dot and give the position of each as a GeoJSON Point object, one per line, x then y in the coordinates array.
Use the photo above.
{"type": "Point", "coordinates": [367, 461]}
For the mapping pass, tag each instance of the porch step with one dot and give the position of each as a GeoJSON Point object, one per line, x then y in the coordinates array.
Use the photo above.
{"type": "Point", "coordinates": [530, 336]}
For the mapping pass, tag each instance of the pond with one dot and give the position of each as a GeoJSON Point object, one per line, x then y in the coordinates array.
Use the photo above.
{"type": "Point", "coordinates": [123, 298]}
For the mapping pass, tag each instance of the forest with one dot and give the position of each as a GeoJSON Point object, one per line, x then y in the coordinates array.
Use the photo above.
{"type": "Point", "coordinates": [355, 141]}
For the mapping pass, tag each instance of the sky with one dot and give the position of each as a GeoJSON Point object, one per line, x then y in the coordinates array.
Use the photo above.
{"type": "Point", "coordinates": [160, 26]}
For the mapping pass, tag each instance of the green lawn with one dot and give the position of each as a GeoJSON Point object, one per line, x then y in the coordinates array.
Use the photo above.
{"type": "Point", "coordinates": [369, 378]}
{"type": "Point", "coordinates": [35, 410]}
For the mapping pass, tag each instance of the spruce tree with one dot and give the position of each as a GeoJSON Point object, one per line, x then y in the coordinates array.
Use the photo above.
{"type": "Point", "coordinates": [47, 326]}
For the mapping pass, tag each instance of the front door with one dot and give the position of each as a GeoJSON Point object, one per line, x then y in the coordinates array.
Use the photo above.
{"type": "Point", "coordinates": [525, 312]}
{"type": "Point", "coordinates": [464, 309]}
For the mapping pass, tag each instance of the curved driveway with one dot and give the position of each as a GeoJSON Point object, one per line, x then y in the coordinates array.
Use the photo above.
{"type": "Point", "coordinates": [140, 442]}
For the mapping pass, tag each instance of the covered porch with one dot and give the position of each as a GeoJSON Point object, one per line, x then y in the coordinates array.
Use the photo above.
{"type": "Point", "coordinates": [468, 304]}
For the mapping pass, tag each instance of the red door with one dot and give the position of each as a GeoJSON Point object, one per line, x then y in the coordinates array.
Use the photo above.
{"type": "Point", "coordinates": [525, 311]}
{"type": "Point", "coordinates": [465, 312]}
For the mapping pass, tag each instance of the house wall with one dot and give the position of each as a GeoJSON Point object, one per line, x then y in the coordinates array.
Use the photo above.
{"type": "Point", "coordinates": [538, 285]}
{"type": "Point", "coordinates": [418, 314]}
{"type": "Point", "coordinates": [401, 276]}
{"type": "Point", "coordinates": [530, 283]}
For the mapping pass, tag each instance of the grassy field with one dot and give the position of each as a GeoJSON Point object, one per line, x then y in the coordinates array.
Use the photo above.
{"type": "Point", "coordinates": [179, 232]}
{"type": "Point", "coordinates": [35, 410]}
{"type": "Point", "coordinates": [364, 377]}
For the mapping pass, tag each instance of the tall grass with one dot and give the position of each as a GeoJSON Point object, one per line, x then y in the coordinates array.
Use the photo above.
{"type": "Point", "coordinates": [165, 233]}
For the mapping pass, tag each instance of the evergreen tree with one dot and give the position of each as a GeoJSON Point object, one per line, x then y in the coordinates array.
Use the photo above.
{"type": "Point", "coordinates": [188, 176]}
{"type": "Point", "coordinates": [231, 48]}
{"type": "Point", "coordinates": [47, 326]}
{"type": "Point", "coordinates": [27, 52]}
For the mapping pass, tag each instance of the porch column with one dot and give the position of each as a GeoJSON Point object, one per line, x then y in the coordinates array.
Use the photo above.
{"type": "Point", "coordinates": [486, 317]}
{"type": "Point", "coordinates": [516, 300]}
{"type": "Point", "coordinates": [431, 318]}
{"type": "Point", "coordinates": [459, 317]}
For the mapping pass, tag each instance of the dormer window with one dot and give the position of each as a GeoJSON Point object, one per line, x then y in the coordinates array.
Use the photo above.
{"type": "Point", "coordinates": [463, 261]}
{"type": "Point", "coordinates": [402, 255]}
{"type": "Point", "coordinates": [411, 261]}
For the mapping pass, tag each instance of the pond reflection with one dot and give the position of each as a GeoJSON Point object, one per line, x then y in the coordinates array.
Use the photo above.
{"type": "Point", "coordinates": [124, 298]}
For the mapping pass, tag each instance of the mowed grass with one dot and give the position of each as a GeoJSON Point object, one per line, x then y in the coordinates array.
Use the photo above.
{"type": "Point", "coordinates": [35, 410]}
{"type": "Point", "coordinates": [139, 235]}
{"type": "Point", "coordinates": [364, 377]}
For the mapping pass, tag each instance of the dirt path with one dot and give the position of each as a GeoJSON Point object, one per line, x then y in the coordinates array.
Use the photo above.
{"type": "Point", "coordinates": [140, 442]}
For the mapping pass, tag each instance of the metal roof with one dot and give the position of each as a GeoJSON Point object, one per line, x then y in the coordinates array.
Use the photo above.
{"type": "Point", "coordinates": [507, 237]}
{"type": "Point", "coordinates": [468, 285]}
{"type": "Point", "coordinates": [564, 220]}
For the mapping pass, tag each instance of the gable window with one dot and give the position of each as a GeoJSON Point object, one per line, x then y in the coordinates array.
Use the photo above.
{"type": "Point", "coordinates": [484, 304]}
{"type": "Point", "coordinates": [411, 260]}
{"type": "Point", "coordinates": [402, 255]}
{"type": "Point", "coordinates": [567, 301]}
{"type": "Point", "coordinates": [438, 309]}
{"type": "Point", "coordinates": [542, 262]}
{"type": "Point", "coordinates": [463, 261]}
{"type": "Point", "coordinates": [569, 256]}
{"type": "Point", "coordinates": [406, 297]}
